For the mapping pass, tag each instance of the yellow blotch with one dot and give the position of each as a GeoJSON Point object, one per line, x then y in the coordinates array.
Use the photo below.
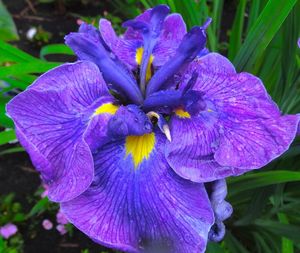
{"type": "Point", "coordinates": [139, 58]}
{"type": "Point", "coordinates": [139, 55]}
{"type": "Point", "coordinates": [182, 113]}
{"type": "Point", "coordinates": [106, 108]}
{"type": "Point", "coordinates": [140, 147]}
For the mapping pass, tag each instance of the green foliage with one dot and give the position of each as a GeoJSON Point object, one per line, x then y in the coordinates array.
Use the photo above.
{"type": "Point", "coordinates": [11, 211]}
{"type": "Point", "coordinates": [8, 29]}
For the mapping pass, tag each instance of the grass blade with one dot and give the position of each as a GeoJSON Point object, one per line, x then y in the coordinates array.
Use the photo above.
{"type": "Point", "coordinates": [262, 32]}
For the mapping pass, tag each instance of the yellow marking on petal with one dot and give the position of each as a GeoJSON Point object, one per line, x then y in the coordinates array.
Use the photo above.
{"type": "Point", "coordinates": [139, 55]}
{"type": "Point", "coordinates": [209, 110]}
{"type": "Point", "coordinates": [139, 58]}
{"type": "Point", "coordinates": [106, 108]}
{"type": "Point", "coordinates": [182, 113]}
{"type": "Point", "coordinates": [149, 73]}
{"type": "Point", "coordinates": [140, 147]}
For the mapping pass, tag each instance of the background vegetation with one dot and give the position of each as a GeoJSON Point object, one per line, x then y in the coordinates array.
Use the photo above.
{"type": "Point", "coordinates": [259, 37]}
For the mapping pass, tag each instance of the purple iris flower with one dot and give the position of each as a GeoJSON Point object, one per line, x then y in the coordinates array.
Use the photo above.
{"type": "Point", "coordinates": [126, 137]}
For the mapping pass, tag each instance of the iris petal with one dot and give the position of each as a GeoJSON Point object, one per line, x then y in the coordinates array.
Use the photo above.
{"type": "Point", "coordinates": [51, 117]}
{"type": "Point", "coordinates": [129, 120]}
{"type": "Point", "coordinates": [87, 47]}
{"type": "Point", "coordinates": [192, 43]}
{"type": "Point", "coordinates": [217, 192]}
{"type": "Point", "coordinates": [150, 209]}
{"type": "Point", "coordinates": [248, 130]}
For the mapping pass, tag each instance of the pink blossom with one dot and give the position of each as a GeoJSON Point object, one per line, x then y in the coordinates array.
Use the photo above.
{"type": "Point", "coordinates": [61, 218]}
{"type": "Point", "coordinates": [61, 229]}
{"type": "Point", "coordinates": [47, 224]}
{"type": "Point", "coordinates": [45, 192]}
{"type": "Point", "coordinates": [8, 230]}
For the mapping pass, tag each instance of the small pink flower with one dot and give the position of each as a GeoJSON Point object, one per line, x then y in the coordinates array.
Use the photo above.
{"type": "Point", "coordinates": [61, 218]}
{"type": "Point", "coordinates": [47, 224]}
{"type": "Point", "coordinates": [79, 21]}
{"type": "Point", "coordinates": [45, 192]}
{"type": "Point", "coordinates": [61, 229]}
{"type": "Point", "coordinates": [8, 230]}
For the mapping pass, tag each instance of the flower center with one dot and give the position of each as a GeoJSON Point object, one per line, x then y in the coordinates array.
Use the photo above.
{"type": "Point", "coordinates": [140, 147]}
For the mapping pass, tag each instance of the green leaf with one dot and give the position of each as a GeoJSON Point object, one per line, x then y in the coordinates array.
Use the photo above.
{"type": "Point", "coordinates": [27, 68]}
{"type": "Point", "coordinates": [12, 150]}
{"type": "Point", "coordinates": [287, 245]}
{"type": "Point", "coordinates": [253, 181]}
{"type": "Point", "coordinates": [55, 49]}
{"type": "Point", "coordinates": [233, 244]}
{"type": "Point", "coordinates": [214, 248]}
{"type": "Point", "coordinates": [11, 53]}
{"type": "Point", "coordinates": [286, 230]}
{"type": "Point", "coordinates": [40, 207]}
{"type": "Point", "coordinates": [8, 29]}
{"type": "Point", "coordinates": [4, 120]}
{"type": "Point", "coordinates": [235, 40]}
{"type": "Point", "coordinates": [262, 32]}
{"type": "Point", "coordinates": [7, 136]}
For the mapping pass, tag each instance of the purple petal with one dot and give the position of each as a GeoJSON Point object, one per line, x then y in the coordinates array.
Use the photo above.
{"type": "Point", "coordinates": [86, 47]}
{"type": "Point", "coordinates": [251, 144]}
{"type": "Point", "coordinates": [192, 43]}
{"type": "Point", "coordinates": [125, 50]}
{"type": "Point", "coordinates": [129, 120]}
{"type": "Point", "coordinates": [248, 130]}
{"type": "Point", "coordinates": [8, 230]}
{"type": "Point", "coordinates": [191, 151]}
{"type": "Point", "coordinates": [132, 34]}
{"type": "Point", "coordinates": [51, 118]}
{"type": "Point", "coordinates": [143, 209]}
{"type": "Point", "coordinates": [162, 99]}
{"type": "Point", "coordinates": [150, 31]}
{"type": "Point", "coordinates": [217, 192]}
{"type": "Point", "coordinates": [108, 34]}
{"type": "Point", "coordinates": [171, 36]}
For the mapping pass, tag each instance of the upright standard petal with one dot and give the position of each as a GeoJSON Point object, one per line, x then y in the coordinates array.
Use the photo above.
{"type": "Point", "coordinates": [142, 207]}
{"type": "Point", "coordinates": [51, 117]}
{"type": "Point", "coordinates": [160, 47]}
{"type": "Point", "coordinates": [192, 43]}
{"type": "Point", "coordinates": [172, 33]}
{"type": "Point", "coordinates": [248, 130]}
{"type": "Point", "coordinates": [87, 45]}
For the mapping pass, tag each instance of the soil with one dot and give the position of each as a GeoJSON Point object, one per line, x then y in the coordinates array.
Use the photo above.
{"type": "Point", "coordinates": [16, 171]}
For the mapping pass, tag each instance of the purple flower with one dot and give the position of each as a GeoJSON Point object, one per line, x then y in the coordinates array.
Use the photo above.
{"type": "Point", "coordinates": [8, 230]}
{"type": "Point", "coordinates": [47, 224]}
{"type": "Point", "coordinates": [126, 137]}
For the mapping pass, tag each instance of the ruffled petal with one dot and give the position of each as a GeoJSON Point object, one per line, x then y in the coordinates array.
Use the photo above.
{"type": "Point", "coordinates": [169, 40]}
{"type": "Point", "coordinates": [141, 209]}
{"type": "Point", "coordinates": [248, 130]}
{"type": "Point", "coordinates": [248, 145]}
{"type": "Point", "coordinates": [51, 117]}
{"type": "Point", "coordinates": [191, 151]}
